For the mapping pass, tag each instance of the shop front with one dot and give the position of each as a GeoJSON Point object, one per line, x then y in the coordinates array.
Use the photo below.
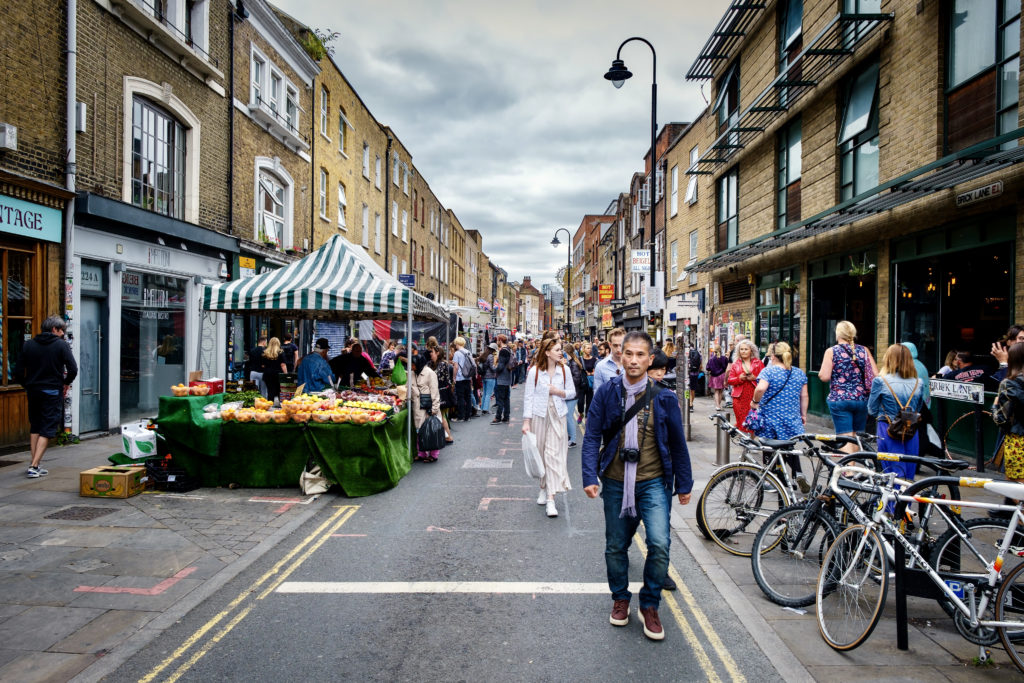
{"type": "Point", "coordinates": [684, 314]}
{"type": "Point", "coordinates": [629, 317]}
{"type": "Point", "coordinates": [137, 324]}
{"type": "Point", "coordinates": [31, 220]}
{"type": "Point", "coordinates": [777, 317]}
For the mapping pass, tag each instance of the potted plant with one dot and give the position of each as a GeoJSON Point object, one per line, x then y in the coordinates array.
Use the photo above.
{"type": "Point", "coordinates": [789, 285]}
{"type": "Point", "coordinates": [862, 269]}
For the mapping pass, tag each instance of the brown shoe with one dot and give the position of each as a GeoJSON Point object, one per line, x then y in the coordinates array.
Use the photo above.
{"type": "Point", "coordinates": [620, 613]}
{"type": "Point", "coordinates": [652, 623]}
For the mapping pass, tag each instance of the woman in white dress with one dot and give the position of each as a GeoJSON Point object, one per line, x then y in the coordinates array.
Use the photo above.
{"type": "Point", "coordinates": [548, 385]}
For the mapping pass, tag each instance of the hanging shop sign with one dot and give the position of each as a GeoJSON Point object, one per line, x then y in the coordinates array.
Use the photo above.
{"type": "Point", "coordinates": [979, 193]}
{"type": "Point", "coordinates": [605, 293]}
{"type": "Point", "coordinates": [30, 220]}
{"type": "Point", "coordinates": [607, 321]}
{"type": "Point", "coordinates": [640, 261]}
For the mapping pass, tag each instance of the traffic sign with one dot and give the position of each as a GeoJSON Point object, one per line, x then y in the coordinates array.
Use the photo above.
{"type": "Point", "coordinates": [407, 279]}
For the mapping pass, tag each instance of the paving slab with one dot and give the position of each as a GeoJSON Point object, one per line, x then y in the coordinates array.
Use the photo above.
{"type": "Point", "coordinates": [37, 628]}
{"type": "Point", "coordinates": [104, 632]}
{"type": "Point", "coordinates": [38, 667]}
{"type": "Point", "coordinates": [123, 561]}
{"type": "Point", "coordinates": [40, 588]}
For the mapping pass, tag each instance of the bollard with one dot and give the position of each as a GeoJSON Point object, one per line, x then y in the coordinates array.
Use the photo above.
{"type": "Point", "coordinates": [722, 448]}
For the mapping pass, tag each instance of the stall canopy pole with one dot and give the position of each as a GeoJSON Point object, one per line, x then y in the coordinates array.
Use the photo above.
{"type": "Point", "coordinates": [408, 371]}
{"type": "Point", "coordinates": [202, 320]}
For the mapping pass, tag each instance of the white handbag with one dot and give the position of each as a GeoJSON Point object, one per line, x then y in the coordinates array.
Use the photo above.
{"type": "Point", "coordinates": [531, 456]}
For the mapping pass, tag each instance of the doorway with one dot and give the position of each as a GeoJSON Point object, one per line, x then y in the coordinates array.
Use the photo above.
{"type": "Point", "coordinates": [92, 413]}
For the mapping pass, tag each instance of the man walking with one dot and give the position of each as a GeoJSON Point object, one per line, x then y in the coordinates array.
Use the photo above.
{"type": "Point", "coordinates": [611, 366]}
{"type": "Point", "coordinates": [502, 381]}
{"type": "Point", "coordinates": [641, 464]}
{"type": "Point", "coordinates": [46, 369]}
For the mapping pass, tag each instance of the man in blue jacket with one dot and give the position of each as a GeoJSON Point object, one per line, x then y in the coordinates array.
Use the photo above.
{"type": "Point", "coordinates": [640, 467]}
{"type": "Point", "coordinates": [314, 372]}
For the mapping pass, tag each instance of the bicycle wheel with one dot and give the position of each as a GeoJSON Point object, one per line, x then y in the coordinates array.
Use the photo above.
{"type": "Point", "coordinates": [1010, 607]}
{"type": "Point", "coordinates": [735, 503]}
{"type": "Point", "coordinates": [953, 555]}
{"type": "Point", "coordinates": [788, 551]}
{"type": "Point", "coordinates": [852, 586]}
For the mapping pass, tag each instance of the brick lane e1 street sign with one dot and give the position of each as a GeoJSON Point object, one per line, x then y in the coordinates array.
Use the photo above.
{"type": "Point", "coordinates": [968, 392]}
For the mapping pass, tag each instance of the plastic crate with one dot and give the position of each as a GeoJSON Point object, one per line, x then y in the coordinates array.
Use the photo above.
{"type": "Point", "coordinates": [164, 477]}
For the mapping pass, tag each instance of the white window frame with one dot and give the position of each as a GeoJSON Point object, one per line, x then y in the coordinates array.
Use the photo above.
{"type": "Point", "coordinates": [323, 193]}
{"type": "Point", "coordinates": [343, 122]}
{"type": "Point", "coordinates": [325, 99]}
{"type": "Point", "coordinates": [394, 265]}
{"type": "Point", "coordinates": [673, 263]}
{"type": "Point", "coordinates": [675, 190]}
{"type": "Point", "coordinates": [394, 168]}
{"type": "Point", "coordinates": [157, 93]}
{"type": "Point", "coordinates": [291, 108]}
{"type": "Point", "coordinates": [405, 226]}
{"type": "Point", "coordinates": [692, 260]}
{"type": "Point", "coordinates": [691, 184]}
{"type": "Point", "coordinates": [376, 171]}
{"type": "Point", "coordinates": [405, 179]}
{"type": "Point", "coordinates": [366, 159]}
{"type": "Point", "coordinates": [273, 167]}
{"type": "Point", "coordinates": [394, 218]}
{"type": "Point", "coordinates": [274, 100]}
{"type": "Point", "coordinates": [366, 227]}
{"type": "Point", "coordinates": [376, 233]}
{"type": "Point", "coordinates": [405, 266]}
{"type": "Point", "coordinates": [342, 207]}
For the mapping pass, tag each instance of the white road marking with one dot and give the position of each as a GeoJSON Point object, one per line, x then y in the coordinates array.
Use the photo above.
{"type": "Point", "coordinates": [491, 587]}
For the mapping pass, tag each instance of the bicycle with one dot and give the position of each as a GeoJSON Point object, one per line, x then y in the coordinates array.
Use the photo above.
{"type": "Point", "coordinates": [790, 546]}
{"type": "Point", "coordinates": [854, 579]}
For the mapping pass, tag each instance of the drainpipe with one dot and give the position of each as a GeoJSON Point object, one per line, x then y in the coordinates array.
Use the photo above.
{"type": "Point", "coordinates": [231, 117]}
{"type": "Point", "coordinates": [70, 172]}
{"type": "Point", "coordinates": [387, 205]}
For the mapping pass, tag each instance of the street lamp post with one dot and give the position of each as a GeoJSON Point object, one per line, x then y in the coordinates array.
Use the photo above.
{"type": "Point", "coordinates": [568, 275]}
{"type": "Point", "coordinates": [617, 74]}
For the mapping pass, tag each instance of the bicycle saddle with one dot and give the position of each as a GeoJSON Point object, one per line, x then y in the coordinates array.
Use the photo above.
{"type": "Point", "coordinates": [775, 443]}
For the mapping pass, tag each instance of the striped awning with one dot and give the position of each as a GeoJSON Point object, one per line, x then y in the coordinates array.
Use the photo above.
{"type": "Point", "coordinates": [338, 281]}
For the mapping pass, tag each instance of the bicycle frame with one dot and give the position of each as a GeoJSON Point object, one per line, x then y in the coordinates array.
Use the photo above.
{"type": "Point", "coordinates": [879, 518]}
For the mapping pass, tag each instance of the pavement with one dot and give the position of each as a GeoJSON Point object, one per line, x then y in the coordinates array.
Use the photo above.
{"type": "Point", "coordinates": [80, 596]}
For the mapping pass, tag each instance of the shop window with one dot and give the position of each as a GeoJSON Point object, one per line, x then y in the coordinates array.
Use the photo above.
{"type": "Point", "coordinates": [858, 134]}
{"type": "Point", "coordinates": [727, 233]}
{"type": "Point", "coordinates": [16, 314]}
{"type": "Point", "coordinates": [789, 170]}
{"type": "Point", "coordinates": [840, 295]}
{"type": "Point", "coordinates": [983, 71]}
{"type": "Point", "coordinates": [941, 304]}
{"type": "Point", "coordinates": [778, 311]}
{"type": "Point", "coordinates": [153, 334]}
{"type": "Point", "coordinates": [158, 159]}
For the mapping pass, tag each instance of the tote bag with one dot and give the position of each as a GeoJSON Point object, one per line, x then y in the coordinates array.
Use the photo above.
{"type": "Point", "coordinates": [531, 456]}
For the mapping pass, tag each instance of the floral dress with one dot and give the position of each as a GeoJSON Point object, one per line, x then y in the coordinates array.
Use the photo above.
{"type": "Point", "coordinates": [444, 384]}
{"type": "Point", "coordinates": [781, 416]}
{"type": "Point", "coordinates": [851, 376]}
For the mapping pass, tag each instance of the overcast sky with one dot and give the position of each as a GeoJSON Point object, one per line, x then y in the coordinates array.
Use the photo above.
{"type": "Point", "coordinates": [504, 107]}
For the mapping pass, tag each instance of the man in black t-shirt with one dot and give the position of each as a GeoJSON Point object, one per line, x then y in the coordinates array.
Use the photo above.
{"type": "Point", "coordinates": [288, 352]}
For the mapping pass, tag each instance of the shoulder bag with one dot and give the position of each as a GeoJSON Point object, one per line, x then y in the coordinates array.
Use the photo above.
{"type": "Point", "coordinates": [753, 422]}
{"type": "Point", "coordinates": [615, 430]}
{"type": "Point", "coordinates": [904, 427]}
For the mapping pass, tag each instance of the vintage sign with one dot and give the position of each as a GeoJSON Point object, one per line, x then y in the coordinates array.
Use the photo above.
{"type": "Point", "coordinates": [607, 321]}
{"type": "Point", "coordinates": [605, 293]}
{"type": "Point", "coordinates": [979, 193]}
{"type": "Point", "coordinates": [30, 220]}
{"type": "Point", "coordinates": [640, 261]}
{"type": "Point", "coordinates": [968, 392]}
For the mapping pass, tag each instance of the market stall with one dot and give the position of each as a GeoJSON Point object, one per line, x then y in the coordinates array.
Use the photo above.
{"type": "Point", "coordinates": [336, 282]}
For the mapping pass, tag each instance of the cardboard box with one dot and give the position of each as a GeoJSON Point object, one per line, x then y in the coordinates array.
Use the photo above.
{"type": "Point", "coordinates": [112, 482]}
{"type": "Point", "coordinates": [216, 384]}
{"type": "Point", "coordinates": [137, 442]}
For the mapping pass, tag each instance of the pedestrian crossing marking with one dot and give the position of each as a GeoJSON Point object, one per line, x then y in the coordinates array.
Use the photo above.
{"type": "Point", "coordinates": [489, 587]}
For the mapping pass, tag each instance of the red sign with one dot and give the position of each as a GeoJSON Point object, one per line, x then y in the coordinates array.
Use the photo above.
{"type": "Point", "coordinates": [605, 293]}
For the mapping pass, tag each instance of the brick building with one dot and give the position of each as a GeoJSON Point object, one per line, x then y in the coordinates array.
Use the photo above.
{"type": "Point", "coordinates": [33, 194]}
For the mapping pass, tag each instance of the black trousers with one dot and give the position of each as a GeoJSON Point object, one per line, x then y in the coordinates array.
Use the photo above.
{"type": "Point", "coordinates": [462, 400]}
{"type": "Point", "coordinates": [501, 397]}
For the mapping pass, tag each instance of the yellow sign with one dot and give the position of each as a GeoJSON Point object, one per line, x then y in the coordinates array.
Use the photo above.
{"type": "Point", "coordinates": [607, 322]}
{"type": "Point", "coordinates": [246, 262]}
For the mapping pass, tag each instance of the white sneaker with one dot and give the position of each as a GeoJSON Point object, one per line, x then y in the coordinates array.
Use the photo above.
{"type": "Point", "coordinates": [542, 497]}
{"type": "Point", "coordinates": [551, 510]}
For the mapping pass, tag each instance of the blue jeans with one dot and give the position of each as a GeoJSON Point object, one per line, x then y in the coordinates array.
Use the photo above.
{"type": "Point", "coordinates": [570, 418]}
{"type": "Point", "coordinates": [485, 404]}
{"type": "Point", "coordinates": [654, 506]}
{"type": "Point", "coordinates": [849, 416]}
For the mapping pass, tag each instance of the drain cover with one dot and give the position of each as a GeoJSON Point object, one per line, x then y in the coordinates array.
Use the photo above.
{"type": "Point", "coordinates": [80, 513]}
{"type": "Point", "coordinates": [5, 463]}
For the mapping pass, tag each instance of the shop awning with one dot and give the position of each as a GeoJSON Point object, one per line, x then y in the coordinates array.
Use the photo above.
{"type": "Point", "coordinates": [338, 281]}
{"type": "Point", "coordinates": [970, 164]}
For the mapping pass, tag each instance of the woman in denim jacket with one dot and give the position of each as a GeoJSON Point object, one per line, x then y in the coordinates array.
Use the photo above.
{"type": "Point", "coordinates": [896, 383]}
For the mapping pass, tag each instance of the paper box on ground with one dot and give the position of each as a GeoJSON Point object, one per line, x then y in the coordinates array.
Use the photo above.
{"type": "Point", "coordinates": [112, 482]}
{"type": "Point", "coordinates": [138, 442]}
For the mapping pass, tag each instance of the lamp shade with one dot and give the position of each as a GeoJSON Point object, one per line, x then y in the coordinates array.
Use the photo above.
{"type": "Point", "coordinates": [618, 73]}
{"type": "Point", "coordinates": [555, 241]}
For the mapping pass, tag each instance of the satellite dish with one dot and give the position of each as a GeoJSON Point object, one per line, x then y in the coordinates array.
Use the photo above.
{"type": "Point", "coordinates": [430, 295]}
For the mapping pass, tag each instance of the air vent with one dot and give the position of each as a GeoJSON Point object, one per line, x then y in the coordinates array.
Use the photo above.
{"type": "Point", "coordinates": [737, 290]}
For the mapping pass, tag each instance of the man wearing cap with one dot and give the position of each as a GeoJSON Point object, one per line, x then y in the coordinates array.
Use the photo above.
{"type": "Point", "coordinates": [314, 372]}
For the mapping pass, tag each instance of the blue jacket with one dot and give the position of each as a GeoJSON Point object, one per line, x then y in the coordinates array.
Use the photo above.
{"type": "Point", "coordinates": [314, 372]}
{"type": "Point", "coordinates": [502, 374]}
{"type": "Point", "coordinates": [606, 409]}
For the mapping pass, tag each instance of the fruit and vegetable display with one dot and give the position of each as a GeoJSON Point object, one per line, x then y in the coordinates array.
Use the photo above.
{"type": "Point", "coordinates": [350, 407]}
{"type": "Point", "coordinates": [195, 390]}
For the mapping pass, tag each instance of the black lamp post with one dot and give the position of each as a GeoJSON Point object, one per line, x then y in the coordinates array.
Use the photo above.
{"type": "Point", "coordinates": [568, 275]}
{"type": "Point", "coordinates": [617, 74]}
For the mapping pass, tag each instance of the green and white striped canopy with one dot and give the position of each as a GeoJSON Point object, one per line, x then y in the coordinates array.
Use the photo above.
{"type": "Point", "coordinates": [337, 281]}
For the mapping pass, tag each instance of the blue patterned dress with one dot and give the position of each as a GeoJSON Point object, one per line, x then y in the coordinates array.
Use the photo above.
{"type": "Point", "coordinates": [780, 404]}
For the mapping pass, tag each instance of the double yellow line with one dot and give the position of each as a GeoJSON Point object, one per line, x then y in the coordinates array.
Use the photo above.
{"type": "Point", "coordinates": [272, 578]}
{"type": "Point", "coordinates": [711, 636]}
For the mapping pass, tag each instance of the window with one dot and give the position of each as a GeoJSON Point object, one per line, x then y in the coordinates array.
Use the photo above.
{"type": "Point", "coordinates": [858, 134]}
{"type": "Point", "coordinates": [423, 264]}
{"type": "Point", "coordinates": [394, 218]}
{"type": "Point", "coordinates": [415, 208]}
{"type": "Point", "coordinates": [342, 206]}
{"type": "Point", "coordinates": [323, 193]}
{"type": "Point", "coordinates": [291, 110]}
{"type": "Point", "coordinates": [158, 160]}
{"type": "Point", "coordinates": [984, 65]}
{"type": "Point", "coordinates": [271, 214]}
{"type": "Point", "coordinates": [675, 190]}
{"type": "Point", "coordinates": [405, 179]}
{"type": "Point", "coordinates": [788, 186]}
{"type": "Point", "coordinates": [376, 172]}
{"type": "Point", "coordinates": [673, 264]}
{"type": "Point", "coordinates": [15, 308]}
{"type": "Point", "coordinates": [376, 232]}
{"type": "Point", "coordinates": [256, 77]}
{"type": "Point", "coordinates": [659, 184]}
{"type": "Point", "coordinates": [394, 168]}
{"type": "Point", "coordinates": [405, 226]}
{"type": "Point", "coordinates": [366, 160]}
{"type": "Point", "coordinates": [790, 42]}
{"type": "Point", "coordinates": [727, 234]}
{"type": "Point", "coordinates": [275, 92]}
{"type": "Point", "coordinates": [405, 266]}
{"type": "Point", "coordinates": [342, 138]}
{"type": "Point", "coordinates": [692, 258]}
{"type": "Point", "coordinates": [366, 227]}
{"type": "Point", "coordinates": [324, 99]}
{"type": "Point", "coordinates": [394, 266]}
{"type": "Point", "coordinates": [852, 34]}
{"type": "Point", "coordinates": [691, 183]}
{"type": "Point", "coordinates": [431, 221]}
{"type": "Point", "coordinates": [431, 262]}
{"type": "Point", "coordinates": [727, 106]}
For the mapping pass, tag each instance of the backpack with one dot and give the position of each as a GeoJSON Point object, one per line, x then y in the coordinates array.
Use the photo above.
{"type": "Point", "coordinates": [471, 372]}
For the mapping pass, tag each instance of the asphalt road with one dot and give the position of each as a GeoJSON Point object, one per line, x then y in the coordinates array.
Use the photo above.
{"type": "Point", "coordinates": [455, 575]}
